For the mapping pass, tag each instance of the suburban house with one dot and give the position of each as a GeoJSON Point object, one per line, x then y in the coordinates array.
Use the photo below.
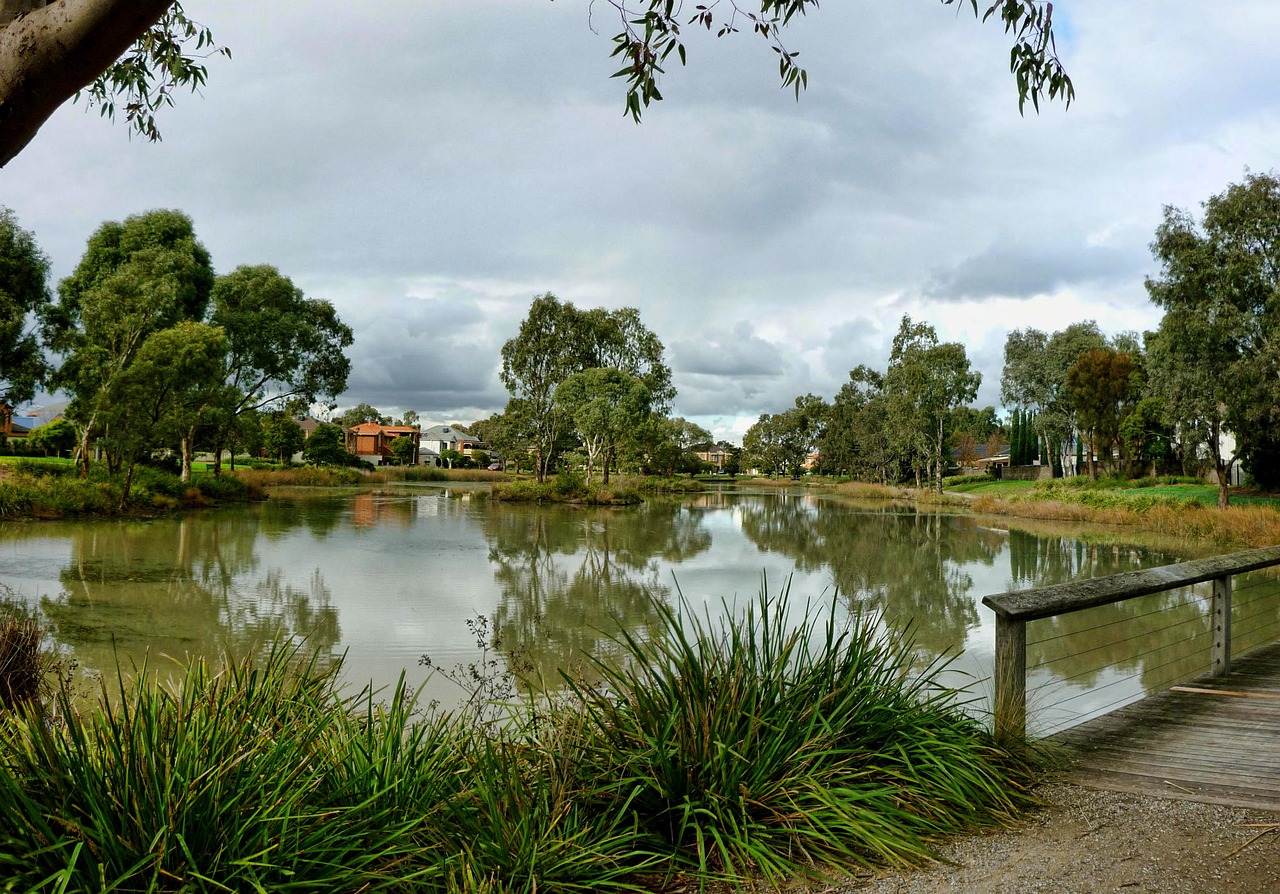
{"type": "Point", "coordinates": [711, 455]}
{"type": "Point", "coordinates": [439, 438]}
{"type": "Point", "coordinates": [20, 423]}
{"type": "Point", "coordinates": [9, 427]}
{"type": "Point", "coordinates": [372, 441]}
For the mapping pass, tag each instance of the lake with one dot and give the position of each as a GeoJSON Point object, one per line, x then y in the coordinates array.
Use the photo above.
{"type": "Point", "coordinates": [387, 577]}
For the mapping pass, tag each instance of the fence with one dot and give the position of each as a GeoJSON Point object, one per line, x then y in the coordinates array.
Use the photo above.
{"type": "Point", "coordinates": [1015, 610]}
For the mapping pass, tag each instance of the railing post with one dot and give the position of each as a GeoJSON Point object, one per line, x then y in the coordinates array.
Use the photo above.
{"type": "Point", "coordinates": [1220, 657]}
{"type": "Point", "coordinates": [1011, 680]}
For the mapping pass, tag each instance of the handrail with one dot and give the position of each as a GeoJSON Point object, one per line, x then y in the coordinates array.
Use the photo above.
{"type": "Point", "coordinates": [1015, 608]}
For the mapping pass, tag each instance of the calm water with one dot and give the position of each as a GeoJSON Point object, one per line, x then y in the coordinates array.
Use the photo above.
{"type": "Point", "coordinates": [391, 576]}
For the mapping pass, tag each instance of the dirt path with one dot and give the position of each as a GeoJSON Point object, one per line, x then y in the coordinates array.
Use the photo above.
{"type": "Point", "coordinates": [1089, 842]}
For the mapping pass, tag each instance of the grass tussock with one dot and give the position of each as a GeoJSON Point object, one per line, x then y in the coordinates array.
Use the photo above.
{"type": "Point", "coordinates": [557, 491]}
{"type": "Point", "coordinates": [864, 490]}
{"type": "Point", "coordinates": [302, 476]}
{"type": "Point", "coordinates": [390, 474]}
{"type": "Point", "coordinates": [47, 491]}
{"type": "Point", "coordinates": [653, 484]}
{"type": "Point", "coordinates": [734, 752]}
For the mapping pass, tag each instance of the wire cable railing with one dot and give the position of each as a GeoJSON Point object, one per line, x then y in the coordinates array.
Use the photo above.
{"type": "Point", "coordinates": [1078, 650]}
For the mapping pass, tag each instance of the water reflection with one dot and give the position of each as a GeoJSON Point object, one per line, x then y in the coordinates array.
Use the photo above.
{"type": "Point", "coordinates": [387, 576]}
{"type": "Point", "coordinates": [186, 588]}
{"type": "Point", "coordinates": [911, 567]}
{"type": "Point", "coordinates": [572, 580]}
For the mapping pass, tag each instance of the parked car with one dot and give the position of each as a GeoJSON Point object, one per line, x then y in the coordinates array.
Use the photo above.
{"type": "Point", "coordinates": [494, 467]}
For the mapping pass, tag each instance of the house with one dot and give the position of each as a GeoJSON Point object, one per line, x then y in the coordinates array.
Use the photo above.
{"type": "Point", "coordinates": [372, 441]}
{"type": "Point", "coordinates": [439, 438]}
{"type": "Point", "coordinates": [711, 454]}
{"type": "Point", "coordinates": [20, 423]}
{"type": "Point", "coordinates": [9, 427]}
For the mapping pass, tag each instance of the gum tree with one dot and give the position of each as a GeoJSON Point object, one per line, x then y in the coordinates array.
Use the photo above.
{"type": "Point", "coordinates": [604, 405]}
{"type": "Point", "coordinates": [136, 278]}
{"type": "Point", "coordinates": [925, 382]}
{"type": "Point", "coordinates": [282, 346]}
{"type": "Point", "coordinates": [24, 300]}
{"type": "Point", "coordinates": [1215, 359]}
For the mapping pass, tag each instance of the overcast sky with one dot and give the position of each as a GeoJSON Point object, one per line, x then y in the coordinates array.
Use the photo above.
{"type": "Point", "coordinates": [431, 166]}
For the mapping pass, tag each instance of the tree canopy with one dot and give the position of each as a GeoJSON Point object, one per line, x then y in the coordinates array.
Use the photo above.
{"type": "Point", "coordinates": [557, 340]}
{"type": "Point", "coordinates": [1215, 359]}
{"type": "Point", "coordinates": [24, 301]}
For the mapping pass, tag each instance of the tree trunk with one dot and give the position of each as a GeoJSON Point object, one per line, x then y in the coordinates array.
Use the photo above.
{"type": "Point", "coordinates": [128, 483]}
{"type": "Point", "coordinates": [187, 440]}
{"type": "Point", "coordinates": [49, 52]}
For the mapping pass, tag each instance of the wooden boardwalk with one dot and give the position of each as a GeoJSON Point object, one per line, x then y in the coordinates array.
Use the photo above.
{"type": "Point", "coordinates": [1215, 739]}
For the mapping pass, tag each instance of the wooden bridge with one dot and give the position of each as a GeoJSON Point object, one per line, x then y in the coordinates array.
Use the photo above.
{"type": "Point", "coordinates": [1215, 738]}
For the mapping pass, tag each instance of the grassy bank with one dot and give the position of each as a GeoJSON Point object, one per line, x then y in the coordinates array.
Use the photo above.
{"type": "Point", "coordinates": [723, 752]}
{"type": "Point", "coordinates": [1180, 509]}
{"type": "Point", "coordinates": [44, 490]}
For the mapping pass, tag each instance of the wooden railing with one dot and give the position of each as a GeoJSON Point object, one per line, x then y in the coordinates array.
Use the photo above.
{"type": "Point", "coordinates": [1015, 609]}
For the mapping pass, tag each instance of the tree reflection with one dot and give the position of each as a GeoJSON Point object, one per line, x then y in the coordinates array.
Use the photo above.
{"type": "Point", "coordinates": [907, 566]}
{"type": "Point", "coordinates": [176, 587]}
{"type": "Point", "coordinates": [572, 580]}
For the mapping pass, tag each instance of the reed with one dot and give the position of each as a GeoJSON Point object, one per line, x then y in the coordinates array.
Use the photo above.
{"type": "Point", "coordinates": [761, 748]}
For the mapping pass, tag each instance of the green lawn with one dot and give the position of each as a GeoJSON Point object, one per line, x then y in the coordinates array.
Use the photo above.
{"type": "Point", "coordinates": [991, 487]}
{"type": "Point", "coordinates": [1199, 493]}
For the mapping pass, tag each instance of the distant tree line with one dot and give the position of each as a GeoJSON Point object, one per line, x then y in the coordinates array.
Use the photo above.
{"type": "Point", "coordinates": [1202, 390]}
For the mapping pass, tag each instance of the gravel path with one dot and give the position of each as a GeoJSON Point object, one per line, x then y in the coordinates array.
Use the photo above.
{"type": "Point", "coordinates": [1088, 842]}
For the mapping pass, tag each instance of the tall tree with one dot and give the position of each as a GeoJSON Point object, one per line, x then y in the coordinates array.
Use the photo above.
{"type": "Point", "coordinates": [1216, 357]}
{"type": "Point", "coordinates": [362, 413]}
{"type": "Point", "coordinates": [557, 340]}
{"type": "Point", "coordinates": [855, 439]}
{"type": "Point", "coordinates": [159, 396]}
{"type": "Point", "coordinates": [925, 381]}
{"type": "Point", "coordinates": [136, 278]}
{"type": "Point", "coordinates": [603, 404]}
{"type": "Point", "coordinates": [134, 53]}
{"type": "Point", "coordinates": [282, 346]}
{"type": "Point", "coordinates": [1100, 386]}
{"type": "Point", "coordinates": [1035, 374]}
{"type": "Point", "coordinates": [24, 300]}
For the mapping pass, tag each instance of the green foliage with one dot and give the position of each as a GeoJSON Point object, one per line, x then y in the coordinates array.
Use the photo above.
{"type": "Point", "coordinates": [327, 447]}
{"type": "Point", "coordinates": [651, 32]}
{"type": "Point", "coordinates": [282, 346]}
{"type": "Point", "coordinates": [604, 405]}
{"type": "Point", "coordinates": [168, 55]}
{"type": "Point", "coordinates": [24, 300]}
{"type": "Point", "coordinates": [1214, 360]}
{"type": "Point", "coordinates": [362, 413]}
{"type": "Point", "coordinates": [282, 436]}
{"type": "Point", "coordinates": [30, 673]}
{"type": "Point", "coordinates": [557, 340]}
{"type": "Point", "coordinates": [924, 383]}
{"type": "Point", "coordinates": [1099, 384]}
{"type": "Point", "coordinates": [759, 747]}
{"type": "Point", "coordinates": [402, 449]}
{"type": "Point", "coordinates": [570, 487]}
{"type": "Point", "coordinates": [58, 437]}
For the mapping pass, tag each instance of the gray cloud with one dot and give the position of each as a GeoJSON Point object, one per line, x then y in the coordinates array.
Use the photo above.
{"type": "Point", "coordinates": [1013, 270]}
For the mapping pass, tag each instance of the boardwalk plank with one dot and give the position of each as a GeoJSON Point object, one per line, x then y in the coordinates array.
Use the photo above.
{"type": "Point", "coordinates": [1202, 746]}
